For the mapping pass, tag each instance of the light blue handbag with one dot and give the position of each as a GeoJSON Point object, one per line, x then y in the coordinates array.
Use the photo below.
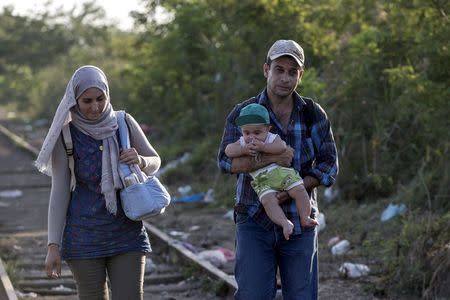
{"type": "Point", "coordinates": [141, 196]}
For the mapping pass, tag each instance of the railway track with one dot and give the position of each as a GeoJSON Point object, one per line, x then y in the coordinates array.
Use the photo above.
{"type": "Point", "coordinates": [172, 271]}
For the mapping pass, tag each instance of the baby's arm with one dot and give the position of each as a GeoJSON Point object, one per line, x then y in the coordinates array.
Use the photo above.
{"type": "Point", "coordinates": [235, 150]}
{"type": "Point", "coordinates": [278, 146]}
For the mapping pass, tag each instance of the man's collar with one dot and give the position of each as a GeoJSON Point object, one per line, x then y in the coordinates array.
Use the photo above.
{"type": "Point", "coordinates": [263, 99]}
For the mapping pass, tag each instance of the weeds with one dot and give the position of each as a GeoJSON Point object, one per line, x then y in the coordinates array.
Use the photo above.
{"type": "Point", "coordinates": [10, 267]}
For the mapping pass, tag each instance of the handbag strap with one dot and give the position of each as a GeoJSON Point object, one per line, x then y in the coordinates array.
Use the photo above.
{"type": "Point", "coordinates": [124, 138]}
{"type": "Point", "coordinates": [68, 145]}
{"type": "Point", "coordinates": [124, 143]}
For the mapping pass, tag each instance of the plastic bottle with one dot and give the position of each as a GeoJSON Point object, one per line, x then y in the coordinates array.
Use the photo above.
{"type": "Point", "coordinates": [392, 210]}
{"type": "Point", "coordinates": [351, 270]}
{"type": "Point", "coordinates": [341, 247]}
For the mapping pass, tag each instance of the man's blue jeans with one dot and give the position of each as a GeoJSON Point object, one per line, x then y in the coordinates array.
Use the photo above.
{"type": "Point", "coordinates": [259, 252]}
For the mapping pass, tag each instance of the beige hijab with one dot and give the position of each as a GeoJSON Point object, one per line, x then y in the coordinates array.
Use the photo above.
{"type": "Point", "coordinates": [104, 128]}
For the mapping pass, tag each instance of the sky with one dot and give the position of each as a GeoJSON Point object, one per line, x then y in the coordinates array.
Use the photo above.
{"type": "Point", "coordinates": [115, 10]}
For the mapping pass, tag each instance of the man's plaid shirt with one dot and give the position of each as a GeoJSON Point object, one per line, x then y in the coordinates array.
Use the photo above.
{"type": "Point", "coordinates": [314, 155]}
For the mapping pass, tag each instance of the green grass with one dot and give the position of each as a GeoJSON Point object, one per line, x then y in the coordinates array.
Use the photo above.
{"type": "Point", "coordinates": [10, 267]}
{"type": "Point", "coordinates": [400, 252]}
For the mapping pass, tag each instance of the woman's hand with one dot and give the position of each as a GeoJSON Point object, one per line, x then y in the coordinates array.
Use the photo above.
{"type": "Point", "coordinates": [53, 261]}
{"type": "Point", "coordinates": [130, 157]}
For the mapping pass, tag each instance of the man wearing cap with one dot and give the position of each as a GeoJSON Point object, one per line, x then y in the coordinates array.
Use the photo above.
{"type": "Point", "coordinates": [304, 126]}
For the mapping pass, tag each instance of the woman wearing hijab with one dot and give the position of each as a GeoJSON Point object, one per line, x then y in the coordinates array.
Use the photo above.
{"type": "Point", "coordinates": [86, 224]}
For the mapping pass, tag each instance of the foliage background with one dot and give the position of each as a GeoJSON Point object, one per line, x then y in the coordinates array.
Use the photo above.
{"type": "Point", "coordinates": [379, 68]}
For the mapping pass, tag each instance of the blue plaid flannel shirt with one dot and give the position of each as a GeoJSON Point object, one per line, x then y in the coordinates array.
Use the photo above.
{"type": "Point", "coordinates": [315, 156]}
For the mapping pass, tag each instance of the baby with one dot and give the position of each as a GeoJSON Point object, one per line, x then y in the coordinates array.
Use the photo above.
{"type": "Point", "coordinates": [254, 123]}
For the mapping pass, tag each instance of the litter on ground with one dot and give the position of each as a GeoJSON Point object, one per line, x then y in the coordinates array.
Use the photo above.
{"type": "Point", "coordinates": [229, 215]}
{"type": "Point", "coordinates": [322, 223]}
{"type": "Point", "coordinates": [333, 241]}
{"type": "Point", "coordinates": [217, 257]}
{"type": "Point", "coordinates": [340, 248]}
{"type": "Point", "coordinates": [173, 164]}
{"type": "Point", "coordinates": [11, 194]}
{"type": "Point", "coordinates": [351, 270]}
{"type": "Point", "coordinates": [180, 234]}
{"type": "Point", "coordinates": [392, 210]}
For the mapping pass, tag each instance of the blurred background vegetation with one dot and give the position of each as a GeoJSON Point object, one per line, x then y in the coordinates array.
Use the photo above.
{"type": "Point", "coordinates": [379, 68]}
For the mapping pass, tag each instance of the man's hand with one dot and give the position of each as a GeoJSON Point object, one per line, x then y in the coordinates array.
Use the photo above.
{"type": "Point", "coordinates": [310, 183]}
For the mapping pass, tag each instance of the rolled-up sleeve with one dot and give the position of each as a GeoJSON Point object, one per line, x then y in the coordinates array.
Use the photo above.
{"type": "Point", "coordinates": [230, 134]}
{"type": "Point", "coordinates": [326, 164]}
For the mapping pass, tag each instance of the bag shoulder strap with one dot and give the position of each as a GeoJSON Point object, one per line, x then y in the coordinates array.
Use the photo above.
{"type": "Point", "coordinates": [68, 146]}
{"type": "Point", "coordinates": [124, 137]}
{"type": "Point", "coordinates": [124, 143]}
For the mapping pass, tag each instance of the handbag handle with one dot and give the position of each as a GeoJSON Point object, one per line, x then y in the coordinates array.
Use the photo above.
{"type": "Point", "coordinates": [127, 172]}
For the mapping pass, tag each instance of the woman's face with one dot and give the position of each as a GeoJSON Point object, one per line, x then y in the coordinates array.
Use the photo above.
{"type": "Point", "coordinates": [92, 103]}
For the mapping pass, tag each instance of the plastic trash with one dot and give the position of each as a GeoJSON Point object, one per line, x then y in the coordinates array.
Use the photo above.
{"type": "Point", "coordinates": [229, 215]}
{"type": "Point", "coordinates": [25, 295]}
{"type": "Point", "coordinates": [173, 164]}
{"type": "Point", "coordinates": [62, 288]}
{"type": "Point", "coordinates": [11, 115]}
{"type": "Point", "coordinates": [11, 193]}
{"type": "Point", "coordinates": [392, 210]}
{"type": "Point", "coordinates": [333, 241]}
{"type": "Point", "coordinates": [340, 248]}
{"type": "Point", "coordinates": [215, 257]}
{"type": "Point", "coordinates": [330, 194]}
{"type": "Point", "coordinates": [229, 254]}
{"type": "Point", "coordinates": [322, 223]}
{"type": "Point", "coordinates": [351, 270]}
{"type": "Point", "coordinates": [150, 266]}
{"type": "Point", "coordinates": [209, 197]}
{"type": "Point", "coordinates": [184, 190]}
{"type": "Point", "coordinates": [182, 235]}
{"type": "Point", "coordinates": [194, 228]}
{"type": "Point", "coordinates": [190, 198]}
